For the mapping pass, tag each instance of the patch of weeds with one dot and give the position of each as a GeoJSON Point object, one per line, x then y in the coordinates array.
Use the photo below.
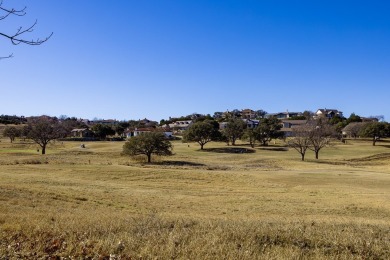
{"type": "Point", "coordinates": [81, 199]}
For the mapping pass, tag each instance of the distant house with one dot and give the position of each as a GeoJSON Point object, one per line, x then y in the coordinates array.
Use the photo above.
{"type": "Point", "coordinates": [179, 126]}
{"type": "Point", "coordinates": [139, 131]}
{"type": "Point", "coordinates": [148, 123]}
{"type": "Point", "coordinates": [222, 125]}
{"type": "Point", "coordinates": [289, 125]}
{"type": "Point", "coordinates": [369, 119]}
{"type": "Point", "coordinates": [328, 113]}
{"type": "Point", "coordinates": [248, 114]}
{"type": "Point", "coordinates": [81, 132]}
{"type": "Point", "coordinates": [104, 122]}
{"type": "Point", "coordinates": [283, 115]}
{"type": "Point", "coordinates": [250, 123]}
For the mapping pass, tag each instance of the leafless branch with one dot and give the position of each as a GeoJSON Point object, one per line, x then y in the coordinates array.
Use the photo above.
{"type": "Point", "coordinates": [16, 40]}
{"type": "Point", "coordinates": [9, 56]}
{"type": "Point", "coordinates": [12, 11]}
{"type": "Point", "coordinates": [17, 37]}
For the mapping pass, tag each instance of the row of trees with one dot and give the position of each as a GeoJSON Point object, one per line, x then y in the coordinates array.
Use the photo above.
{"type": "Point", "coordinates": [314, 136]}
{"type": "Point", "coordinates": [208, 130]}
{"type": "Point", "coordinates": [42, 130]}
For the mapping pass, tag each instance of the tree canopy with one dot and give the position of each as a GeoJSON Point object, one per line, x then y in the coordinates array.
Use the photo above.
{"type": "Point", "coordinates": [102, 131]}
{"type": "Point", "coordinates": [234, 130]}
{"type": "Point", "coordinates": [12, 132]}
{"type": "Point", "coordinates": [202, 132]}
{"type": "Point", "coordinates": [268, 129]}
{"type": "Point", "coordinates": [148, 144]}
{"type": "Point", "coordinates": [375, 130]}
{"type": "Point", "coordinates": [44, 129]}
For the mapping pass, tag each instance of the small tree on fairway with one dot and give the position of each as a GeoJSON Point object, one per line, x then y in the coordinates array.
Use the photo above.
{"type": "Point", "coordinates": [268, 129]}
{"type": "Point", "coordinates": [148, 144]}
{"type": "Point", "coordinates": [102, 131]}
{"type": "Point", "coordinates": [249, 135]}
{"type": "Point", "coordinates": [300, 140]}
{"type": "Point", "coordinates": [375, 130]}
{"type": "Point", "coordinates": [202, 133]}
{"type": "Point", "coordinates": [234, 130]}
{"type": "Point", "coordinates": [320, 136]}
{"type": "Point", "coordinates": [44, 129]}
{"type": "Point", "coordinates": [12, 132]}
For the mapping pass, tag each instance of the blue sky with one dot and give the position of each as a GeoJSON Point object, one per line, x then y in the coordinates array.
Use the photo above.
{"type": "Point", "coordinates": [130, 59]}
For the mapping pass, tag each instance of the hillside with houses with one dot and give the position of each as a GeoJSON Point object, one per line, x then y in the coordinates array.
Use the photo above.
{"type": "Point", "coordinates": [98, 129]}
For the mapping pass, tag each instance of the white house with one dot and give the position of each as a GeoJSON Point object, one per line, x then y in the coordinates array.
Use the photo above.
{"type": "Point", "coordinates": [180, 125]}
{"type": "Point", "coordinates": [328, 113]}
{"type": "Point", "coordinates": [138, 131]}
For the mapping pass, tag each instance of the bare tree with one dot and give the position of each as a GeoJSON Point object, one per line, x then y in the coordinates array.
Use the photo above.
{"type": "Point", "coordinates": [300, 140]}
{"type": "Point", "coordinates": [321, 135]}
{"type": "Point", "coordinates": [42, 130]}
{"type": "Point", "coordinates": [17, 37]}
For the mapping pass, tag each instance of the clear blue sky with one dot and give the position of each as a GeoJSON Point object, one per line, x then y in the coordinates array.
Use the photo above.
{"type": "Point", "coordinates": [128, 59]}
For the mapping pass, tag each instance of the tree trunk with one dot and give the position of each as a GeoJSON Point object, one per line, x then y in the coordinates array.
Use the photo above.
{"type": "Point", "coordinates": [374, 141]}
{"type": "Point", "coordinates": [44, 149]}
{"type": "Point", "coordinates": [302, 156]}
{"type": "Point", "coordinates": [149, 157]}
{"type": "Point", "coordinates": [317, 152]}
{"type": "Point", "coordinates": [201, 146]}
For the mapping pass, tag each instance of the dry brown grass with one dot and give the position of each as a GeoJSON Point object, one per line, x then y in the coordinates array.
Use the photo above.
{"type": "Point", "coordinates": [93, 203]}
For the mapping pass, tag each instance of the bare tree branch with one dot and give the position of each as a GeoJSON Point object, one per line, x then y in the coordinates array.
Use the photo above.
{"type": "Point", "coordinates": [17, 37]}
{"type": "Point", "coordinates": [16, 40]}
{"type": "Point", "coordinates": [12, 11]}
{"type": "Point", "coordinates": [9, 56]}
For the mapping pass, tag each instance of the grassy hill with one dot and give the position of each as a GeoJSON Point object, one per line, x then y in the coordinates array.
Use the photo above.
{"type": "Point", "coordinates": [222, 203]}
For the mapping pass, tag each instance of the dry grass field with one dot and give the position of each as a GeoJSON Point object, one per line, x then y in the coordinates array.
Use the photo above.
{"type": "Point", "coordinates": [221, 203]}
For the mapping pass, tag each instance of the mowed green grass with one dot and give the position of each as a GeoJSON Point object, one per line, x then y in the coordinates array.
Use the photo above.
{"type": "Point", "coordinates": [213, 204]}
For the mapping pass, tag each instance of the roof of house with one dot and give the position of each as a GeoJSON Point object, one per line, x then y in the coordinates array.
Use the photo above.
{"type": "Point", "coordinates": [327, 111]}
{"type": "Point", "coordinates": [79, 129]}
{"type": "Point", "coordinates": [295, 122]}
{"type": "Point", "coordinates": [149, 129]}
{"type": "Point", "coordinates": [351, 125]}
{"type": "Point", "coordinates": [180, 123]}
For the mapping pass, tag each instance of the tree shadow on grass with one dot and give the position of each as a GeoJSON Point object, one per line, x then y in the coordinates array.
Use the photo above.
{"type": "Point", "coordinates": [177, 163]}
{"type": "Point", "coordinates": [273, 148]}
{"type": "Point", "coordinates": [229, 150]}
